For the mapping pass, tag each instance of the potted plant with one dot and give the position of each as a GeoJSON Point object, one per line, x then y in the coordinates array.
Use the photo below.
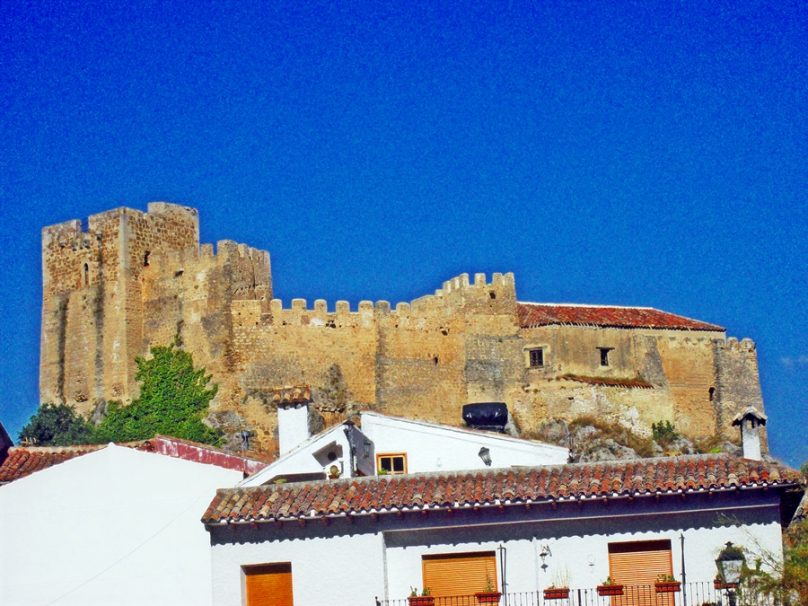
{"type": "Point", "coordinates": [556, 593]}
{"type": "Point", "coordinates": [420, 600]}
{"type": "Point", "coordinates": [609, 587]}
{"type": "Point", "coordinates": [665, 583]}
{"type": "Point", "coordinates": [560, 589]}
{"type": "Point", "coordinates": [490, 595]}
{"type": "Point", "coordinates": [720, 584]}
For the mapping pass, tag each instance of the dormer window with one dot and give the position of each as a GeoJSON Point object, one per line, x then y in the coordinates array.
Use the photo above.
{"type": "Point", "coordinates": [604, 355]}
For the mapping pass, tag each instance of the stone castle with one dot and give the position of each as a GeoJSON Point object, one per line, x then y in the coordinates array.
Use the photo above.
{"type": "Point", "coordinates": [133, 280]}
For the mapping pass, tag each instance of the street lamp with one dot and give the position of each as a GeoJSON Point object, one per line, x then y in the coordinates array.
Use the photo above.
{"type": "Point", "coordinates": [485, 455]}
{"type": "Point", "coordinates": [730, 563]}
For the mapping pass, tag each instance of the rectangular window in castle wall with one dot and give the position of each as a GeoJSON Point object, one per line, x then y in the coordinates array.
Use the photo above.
{"type": "Point", "coordinates": [604, 355]}
{"type": "Point", "coordinates": [536, 357]}
{"type": "Point", "coordinates": [391, 463]}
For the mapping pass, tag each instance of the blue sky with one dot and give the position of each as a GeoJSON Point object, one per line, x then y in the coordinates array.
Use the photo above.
{"type": "Point", "coordinates": [632, 153]}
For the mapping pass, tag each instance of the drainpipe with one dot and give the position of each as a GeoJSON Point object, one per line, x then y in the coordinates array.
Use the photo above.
{"type": "Point", "coordinates": [684, 573]}
{"type": "Point", "coordinates": [502, 571]}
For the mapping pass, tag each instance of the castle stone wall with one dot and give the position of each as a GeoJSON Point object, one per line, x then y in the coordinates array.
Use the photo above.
{"type": "Point", "coordinates": [134, 280]}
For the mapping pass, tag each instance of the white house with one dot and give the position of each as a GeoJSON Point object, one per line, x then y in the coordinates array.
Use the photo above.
{"type": "Point", "coordinates": [514, 530]}
{"type": "Point", "coordinates": [386, 445]}
{"type": "Point", "coordinates": [110, 525]}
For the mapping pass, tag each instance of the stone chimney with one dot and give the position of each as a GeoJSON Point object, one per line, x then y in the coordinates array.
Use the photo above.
{"type": "Point", "coordinates": [293, 416]}
{"type": "Point", "coordinates": [750, 421]}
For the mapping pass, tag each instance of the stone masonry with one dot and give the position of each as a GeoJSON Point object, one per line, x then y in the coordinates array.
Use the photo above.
{"type": "Point", "coordinates": [134, 280]}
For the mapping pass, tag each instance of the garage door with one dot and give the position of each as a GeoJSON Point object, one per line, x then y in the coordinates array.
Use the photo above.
{"type": "Point", "coordinates": [637, 565]}
{"type": "Point", "coordinates": [459, 574]}
{"type": "Point", "coordinates": [268, 584]}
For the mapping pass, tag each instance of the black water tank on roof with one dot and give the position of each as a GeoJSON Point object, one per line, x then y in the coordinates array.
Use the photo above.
{"type": "Point", "coordinates": [486, 415]}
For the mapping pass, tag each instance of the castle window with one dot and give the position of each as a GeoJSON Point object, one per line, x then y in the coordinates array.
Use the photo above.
{"type": "Point", "coordinates": [146, 258]}
{"type": "Point", "coordinates": [391, 464]}
{"type": "Point", "coordinates": [604, 355]}
{"type": "Point", "coordinates": [536, 357]}
{"type": "Point", "coordinates": [86, 274]}
{"type": "Point", "coordinates": [711, 392]}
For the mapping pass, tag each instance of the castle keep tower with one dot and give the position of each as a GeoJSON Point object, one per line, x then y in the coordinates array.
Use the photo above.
{"type": "Point", "coordinates": [134, 280]}
{"type": "Point", "coordinates": [106, 300]}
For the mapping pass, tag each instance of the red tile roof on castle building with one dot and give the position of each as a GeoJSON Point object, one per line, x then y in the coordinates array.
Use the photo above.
{"type": "Point", "coordinates": [496, 487]}
{"type": "Point", "coordinates": [25, 460]}
{"type": "Point", "coordinates": [532, 315]}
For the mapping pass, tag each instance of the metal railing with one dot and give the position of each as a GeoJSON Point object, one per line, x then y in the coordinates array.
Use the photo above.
{"type": "Point", "coordinates": [689, 594]}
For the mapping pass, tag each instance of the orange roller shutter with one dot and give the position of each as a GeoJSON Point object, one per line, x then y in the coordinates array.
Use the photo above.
{"type": "Point", "coordinates": [460, 574]}
{"type": "Point", "coordinates": [269, 585]}
{"type": "Point", "coordinates": [637, 565]}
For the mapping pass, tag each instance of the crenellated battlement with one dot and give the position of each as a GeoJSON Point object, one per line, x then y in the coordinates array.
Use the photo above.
{"type": "Point", "coordinates": [455, 294]}
{"type": "Point", "coordinates": [745, 345]}
{"type": "Point", "coordinates": [128, 280]}
{"type": "Point", "coordinates": [167, 263]}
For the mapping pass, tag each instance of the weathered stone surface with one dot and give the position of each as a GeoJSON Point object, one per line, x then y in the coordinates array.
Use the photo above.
{"type": "Point", "coordinates": [133, 280]}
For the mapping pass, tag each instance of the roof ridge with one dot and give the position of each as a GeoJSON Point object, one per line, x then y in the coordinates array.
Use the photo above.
{"type": "Point", "coordinates": [501, 470]}
{"type": "Point", "coordinates": [497, 487]}
{"type": "Point", "coordinates": [591, 305]}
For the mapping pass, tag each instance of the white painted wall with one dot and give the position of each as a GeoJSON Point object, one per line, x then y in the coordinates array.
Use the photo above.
{"type": "Point", "coordinates": [343, 563]}
{"type": "Point", "coordinates": [579, 550]}
{"type": "Point", "coordinates": [432, 447]}
{"type": "Point", "coordinates": [293, 426]}
{"type": "Point", "coordinates": [308, 457]}
{"type": "Point", "coordinates": [116, 526]}
{"type": "Point", "coordinates": [344, 569]}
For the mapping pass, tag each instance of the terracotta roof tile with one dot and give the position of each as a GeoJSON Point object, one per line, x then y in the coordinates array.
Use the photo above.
{"type": "Point", "coordinates": [518, 485]}
{"type": "Point", "coordinates": [294, 394]}
{"type": "Point", "coordinates": [636, 383]}
{"type": "Point", "coordinates": [23, 460]}
{"type": "Point", "coordinates": [545, 314]}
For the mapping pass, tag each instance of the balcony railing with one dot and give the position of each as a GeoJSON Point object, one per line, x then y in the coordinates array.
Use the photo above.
{"type": "Point", "coordinates": [690, 594]}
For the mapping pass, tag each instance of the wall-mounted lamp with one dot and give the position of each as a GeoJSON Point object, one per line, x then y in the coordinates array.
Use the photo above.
{"type": "Point", "coordinates": [543, 554]}
{"type": "Point", "coordinates": [485, 455]}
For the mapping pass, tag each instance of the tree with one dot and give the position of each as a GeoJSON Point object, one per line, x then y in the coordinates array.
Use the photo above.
{"type": "Point", "coordinates": [174, 398]}
{"type": "Point", "coordinates": [57, 425]}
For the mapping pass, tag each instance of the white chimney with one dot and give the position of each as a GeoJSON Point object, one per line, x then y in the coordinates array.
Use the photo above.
{"type": "Point", "coordinates": [293, 416]}
{"type": "Point", "coordinates": [750, 421]}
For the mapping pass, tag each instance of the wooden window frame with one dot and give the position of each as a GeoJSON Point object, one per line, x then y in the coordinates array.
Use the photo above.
{"type": "Point", "coordinates": [391, 455]}
{"type": "Point", "coordinates": [543, 350]}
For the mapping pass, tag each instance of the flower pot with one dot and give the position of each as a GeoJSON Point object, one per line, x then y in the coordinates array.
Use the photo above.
{"type": "Point", "coordinates": [610, 590]}
{"type": "Point", "coordinates": [556, 593]}
{"type": "Point", "coordinates": [668, 586]}
{"type": "Point", "coordinates": [421, 600]}
{"type": "Point", "coordinates": [488, 597]}
{"type": "Point", "coordinates": [722, 585]}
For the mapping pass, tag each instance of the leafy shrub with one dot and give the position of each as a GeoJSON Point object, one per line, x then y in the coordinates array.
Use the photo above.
{"type": "Point", "coordinates": [57, 425]}
{"type": "Point", "coordinates": [664, 432]}
{"type": "Point", "coordinates": [174, 398]}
